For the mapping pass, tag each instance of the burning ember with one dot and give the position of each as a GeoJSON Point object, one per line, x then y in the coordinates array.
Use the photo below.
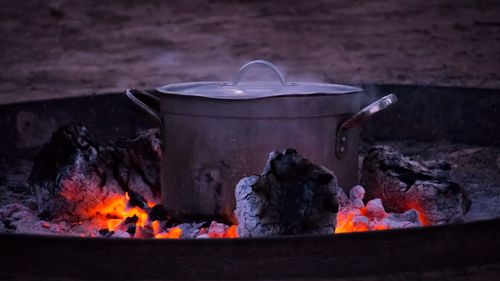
{"type": "Point", "coordinates": [118, 217]}
{"type": "Point", "coordinates": [125, 217]}
{"type": "Point", "coordinates": [355, 216]}
{"type": "Point", "coordinates": [114, 214]}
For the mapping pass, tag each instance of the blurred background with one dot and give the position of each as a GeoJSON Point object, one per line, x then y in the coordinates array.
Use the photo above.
{"type": "Point", "coordinates": [60, 48]}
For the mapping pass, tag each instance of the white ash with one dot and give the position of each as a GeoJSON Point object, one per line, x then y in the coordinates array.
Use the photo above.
{"type": "Point", "coordinates": [190, 229]}
{"type": "Point", "coordinates": [216, 230]}
{"type": "Point", "coordinates": [356, 195]}
{"type": "Point", "coordinates": [354, 215]}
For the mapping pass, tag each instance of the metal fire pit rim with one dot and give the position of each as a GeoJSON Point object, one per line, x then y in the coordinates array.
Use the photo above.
{"type": "Point", "coordinates": [35, 257]}
{"type": "Point", "coordinates": [349, 235]}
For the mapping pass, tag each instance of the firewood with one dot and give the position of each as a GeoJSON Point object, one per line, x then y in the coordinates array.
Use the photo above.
{"type": "Point", "coordinates": [72, 174]}
{"type": "Point", "coordinates": [403, 183]}
{"type": "Point", "coordinates": [291, 196]}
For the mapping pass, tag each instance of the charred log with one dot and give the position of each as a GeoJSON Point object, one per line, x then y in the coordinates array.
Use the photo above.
{"type": "Point", "coordinates": [403, 183]}
{"type": "Point", "coordinates": [291, 196]}
{"type": "Point", "coordinates": [72, 174]}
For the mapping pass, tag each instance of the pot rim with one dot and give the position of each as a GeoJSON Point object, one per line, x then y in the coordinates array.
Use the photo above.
{"type": "Point", "coordinates": [254, 90]}
{"type": "Point", "coordinates": [237, 90]}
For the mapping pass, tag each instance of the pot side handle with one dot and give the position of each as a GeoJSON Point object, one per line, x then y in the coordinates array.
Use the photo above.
{"type": "Point", "coordinates": [358, 118]}
{"type": "Point", "coordinates": [131, 94]}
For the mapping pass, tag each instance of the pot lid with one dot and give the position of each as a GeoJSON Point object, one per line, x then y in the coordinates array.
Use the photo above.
{"type": "Point", "coordinates": [237, 89]}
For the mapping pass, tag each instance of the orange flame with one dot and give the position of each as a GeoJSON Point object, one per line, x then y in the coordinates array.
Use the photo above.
{"type": "Point", "coordinates": [116, 210]}
{"type": "Point", "coordinates": [420, 211]}
{"type": "Point", "coordinates": [112, 213]}
{"type": "Point", "coordinates": [156, 227]}
{"type": "Point", "coordinates": [231, 232]}
{"type": "Point", "coordinates": [173, 233]}
{"type": "Point", "coordinates": [345, 223]}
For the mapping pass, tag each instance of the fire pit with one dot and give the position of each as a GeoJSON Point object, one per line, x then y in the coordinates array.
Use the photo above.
{"type": "Point", "coordinates": [470, 151]}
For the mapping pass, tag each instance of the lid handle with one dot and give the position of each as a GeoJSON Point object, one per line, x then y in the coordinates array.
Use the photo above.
{"type": "Point", "coordinates": [246, 66]}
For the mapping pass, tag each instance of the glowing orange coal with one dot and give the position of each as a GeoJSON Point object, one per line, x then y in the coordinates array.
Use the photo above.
{"type": "Point", "coordinates": [355, 216]}
{"type": "Point", "coordinates": [231, 232]}
{"type": "Point", "coordinates": [358, 220]}
{"type": "Point", "coordinates": [113, 212]}
{"type": "Point", "coordinates": [346, 222]}
{"type": "Point", "coordinates": [156, 226]}
{"type": "Point", "coordinates": [172, 233]}
{"type": "Point", "coordinates": [115, 215]}
{"type": "Point", "coordinates": [117, 218]}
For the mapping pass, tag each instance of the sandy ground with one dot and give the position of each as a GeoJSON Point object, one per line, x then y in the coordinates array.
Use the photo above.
{"type": "Point", "coordinates": [70, 48]}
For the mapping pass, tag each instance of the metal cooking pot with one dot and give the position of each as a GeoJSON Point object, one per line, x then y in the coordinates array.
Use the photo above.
{"type": "Point", "coordinates": [215, 133]}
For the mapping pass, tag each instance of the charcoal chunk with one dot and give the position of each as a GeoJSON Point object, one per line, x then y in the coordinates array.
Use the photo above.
{"type": "Point", "coordinates": [72, 174]}
{"type": "Point", "coordinates": [291, 196]}
{"type": "Point", "coordinates": [403, 183]}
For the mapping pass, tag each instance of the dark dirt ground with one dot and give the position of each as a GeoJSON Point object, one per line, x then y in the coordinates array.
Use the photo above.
{"type": "Point", "coordinates": [58, 48]}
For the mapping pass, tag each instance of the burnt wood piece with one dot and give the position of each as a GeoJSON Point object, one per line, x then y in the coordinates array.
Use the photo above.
{"type": "Point", "coordinates": [72, 174]}
{"type": "Point", "coordinates": [403, 183]}
{"type": "Point", "coordinates": [291, 196]}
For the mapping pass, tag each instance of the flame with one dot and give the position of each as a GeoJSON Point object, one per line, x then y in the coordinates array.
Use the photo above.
{"type": "Point", "coordinates": [173, 233]}
{"type": "Point", "coordinates": [420, 211]}
{"type": "Point", "coordinates": [112, 214]}
{"type": "Point", "coordinates": [231, 232]}
{"type": "Point", "coordinates": [345, 222]}
{"type": "Point", "coordinates": [113, 224]}
{"type": "Point", "coordinates": [156, 227]}
{"type": "Point", "coordinates": [114, 211]}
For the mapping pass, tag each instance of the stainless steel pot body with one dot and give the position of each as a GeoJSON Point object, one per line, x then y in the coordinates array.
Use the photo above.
{"type": "Point", "coordinates": [216, 133]}
{"type": "Point", "coordinates": [210, 144]}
